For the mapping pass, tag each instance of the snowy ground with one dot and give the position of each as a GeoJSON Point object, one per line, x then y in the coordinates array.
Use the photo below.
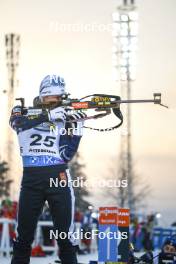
{"type": "Point", "coordinates": [50, 260]}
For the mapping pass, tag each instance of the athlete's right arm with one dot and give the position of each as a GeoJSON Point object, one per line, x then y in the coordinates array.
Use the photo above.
{"type": "Point", "coordinates": [20, 123]}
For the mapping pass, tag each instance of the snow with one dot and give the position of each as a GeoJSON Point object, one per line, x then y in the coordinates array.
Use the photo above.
{"type": "Point", "coordinates": [50, 260]}
{"type": "Point", "coordinates": [82, 259]}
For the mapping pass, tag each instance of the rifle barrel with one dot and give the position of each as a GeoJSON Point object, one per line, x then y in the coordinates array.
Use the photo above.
{"type": "Point", "coordinates": [139, 101]}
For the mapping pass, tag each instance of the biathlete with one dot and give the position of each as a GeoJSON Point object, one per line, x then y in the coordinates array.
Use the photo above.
{"type": "Point", "coordinates": [45, 155]}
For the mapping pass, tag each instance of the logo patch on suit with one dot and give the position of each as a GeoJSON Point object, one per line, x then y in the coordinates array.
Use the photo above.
{"type": "Point", "coordinates": [63, 179]}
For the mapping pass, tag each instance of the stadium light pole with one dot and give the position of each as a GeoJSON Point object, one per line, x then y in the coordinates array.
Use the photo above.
{"type": "Point", "coordinates": [12, 45]}
{"type": "Point", "coordinates": [125, 29]}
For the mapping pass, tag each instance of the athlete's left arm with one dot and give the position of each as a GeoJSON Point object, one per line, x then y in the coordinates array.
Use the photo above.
{"type": "Point", "coordinates": [69, 143]}
{"type": "Point", "coordinates": [68, 146]}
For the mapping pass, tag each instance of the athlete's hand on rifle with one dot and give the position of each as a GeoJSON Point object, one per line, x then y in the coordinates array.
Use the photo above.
{"type": "Point", "coordinates": [79, 122]}
{"type": "Point", "coordinates": [57, 114]}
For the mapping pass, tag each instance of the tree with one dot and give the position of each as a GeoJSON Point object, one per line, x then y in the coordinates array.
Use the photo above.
{"type": "Point", "coordinates": [5, 182]}
{"type": "Point", "coordinates": [79, 179]}
{"type": "Point", "coordinates": [120, 195]}
{"type": "Point", "coordinates": [140, 191]}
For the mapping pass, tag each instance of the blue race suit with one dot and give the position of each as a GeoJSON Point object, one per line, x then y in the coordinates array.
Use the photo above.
{"type": "Point", "coordinates": [45, 156]}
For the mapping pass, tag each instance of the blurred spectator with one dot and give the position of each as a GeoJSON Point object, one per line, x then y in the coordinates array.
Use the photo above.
{"type": "Point", "coordinates": [147, 231]}
{"type": "Point", "coordinates": [136, 234]}
{"type": "Point", "coordinates": [8, 210]}
{"type": "Point", "coordinates": [173, 224]}
{"type": "Point", "coordinates": [90, 217]}
{"type": "Point", "coordinates": [78, 216]}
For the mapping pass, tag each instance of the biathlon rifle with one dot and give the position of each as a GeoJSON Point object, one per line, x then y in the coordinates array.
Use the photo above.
{"type": "Point", "coordinates": [99, 102]}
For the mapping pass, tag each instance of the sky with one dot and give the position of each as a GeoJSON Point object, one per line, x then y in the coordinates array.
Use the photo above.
{"type": "Point", "coordinates": [73, 39]}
